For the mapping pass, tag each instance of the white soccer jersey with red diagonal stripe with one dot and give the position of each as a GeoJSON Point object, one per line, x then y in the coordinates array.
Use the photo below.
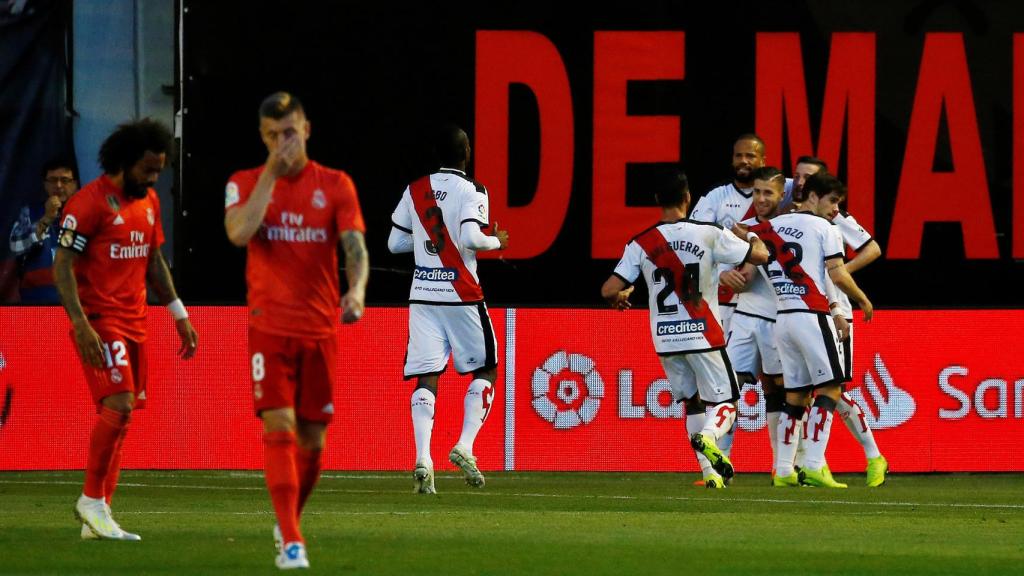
{"type": "Point", "coordinates": [678, 260]}
{"type": "Point", "coordinates": [856, 238]}
{"type": "Point", "coordinates": [759, 298]}
{"type": "Point", "coordinates": [799, 244]}
{"type": "Point", "coordinates": [725, 206]}
{"type": "Point", "coordinates": [433, 210]}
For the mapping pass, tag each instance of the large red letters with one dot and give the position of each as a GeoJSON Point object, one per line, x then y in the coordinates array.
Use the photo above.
{"type": "Point", "coordinates": [619, 138]}
{"type": "Point", "coordinates": [849, 95]}
{"type": "Point", "coordinates": [957, 196]}
{"type": "Point", "coordinates": [504, 58]}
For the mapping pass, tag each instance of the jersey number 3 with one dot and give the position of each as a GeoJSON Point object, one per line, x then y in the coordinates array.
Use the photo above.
{"type": "Point", "coordinates": [434, 219]}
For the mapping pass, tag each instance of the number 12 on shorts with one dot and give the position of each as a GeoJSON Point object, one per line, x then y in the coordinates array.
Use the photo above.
{"type": "Point", "coordinates": [117, 358]}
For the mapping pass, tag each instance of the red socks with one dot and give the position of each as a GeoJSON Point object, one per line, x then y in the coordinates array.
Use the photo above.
{"type": "Point", "coordinates": [283, 481]}
{"type": "Point", "coordinates": [104, 450]}
{"type": "Point", "coordinates": [114, 472]}
{"type": "Point", "coordinates": [307, 464]}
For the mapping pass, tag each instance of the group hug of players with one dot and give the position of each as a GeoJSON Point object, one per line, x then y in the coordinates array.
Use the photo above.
{"type": "Point", "coordinates": [773, 250]}
{"type": "Point", "coordinates": [291, 213]}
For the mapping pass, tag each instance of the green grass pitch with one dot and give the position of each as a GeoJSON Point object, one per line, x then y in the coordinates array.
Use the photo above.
{"type": "Point", "coordinates": [212, 522]}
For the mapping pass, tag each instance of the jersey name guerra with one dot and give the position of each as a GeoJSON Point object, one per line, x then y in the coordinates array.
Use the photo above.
{"type": "Point", "coordinates": [114, 236]}
{"type": "Point", "coordinates": [433, 209]}
{"type": "Point", "coordinates": [292, 267]}
{"type": "Point", "coordinates": [798, 244]}
{"type": "Point", "coordinates": [678, 260]}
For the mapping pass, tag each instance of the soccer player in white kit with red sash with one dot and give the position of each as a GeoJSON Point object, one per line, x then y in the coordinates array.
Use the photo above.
{"type": "Point", "coordinates": [678, 260]}
{"type": "Point", "coordinates": [805, 249]}
{"type": "Point", "coordinates": [441, 218]}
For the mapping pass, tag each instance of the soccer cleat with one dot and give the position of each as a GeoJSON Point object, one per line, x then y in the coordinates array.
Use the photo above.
{"type": "Point", "coordinates": [278, 538]}
{"type": "Point", "coordinates": [715, 481]}
{"type": "Point", "coordinates": [423, 476]}
{"type": "Point", "coordinates": [95, 514]}
{"type": "Point", "coordinates": [877, 469]}
{"type": "Point", "coordinates": [292, 556]}
{"type": "Point", "coordinates": [128, 536]}
{"type": "Point", "coordinates": [821, 478]}
{"type": "Point", "coordinates": [706, 446]}
{"type": "Point", "coordinates": [463, 459]}
{"type": "Point", "coordinates": [793, 480]}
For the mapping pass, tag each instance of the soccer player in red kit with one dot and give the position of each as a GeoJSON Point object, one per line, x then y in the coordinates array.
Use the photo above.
{"type": "Point", "coordinates": [109, 247]}
{"type": "Point", "coordinates": [291, 213]}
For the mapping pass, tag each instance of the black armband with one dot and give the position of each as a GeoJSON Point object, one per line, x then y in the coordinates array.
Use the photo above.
{"type": "Point", "coordinates": [72, 240]}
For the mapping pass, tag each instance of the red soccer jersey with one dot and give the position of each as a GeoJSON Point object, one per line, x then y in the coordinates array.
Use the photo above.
{"type": "Point", "coordinates": [292, 269]}
{"type": "Point", "coordinates": [114, 236]}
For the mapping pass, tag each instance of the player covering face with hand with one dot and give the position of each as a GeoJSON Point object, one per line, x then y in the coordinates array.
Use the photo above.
{"type": "Point", "coordinates": [290, 214]}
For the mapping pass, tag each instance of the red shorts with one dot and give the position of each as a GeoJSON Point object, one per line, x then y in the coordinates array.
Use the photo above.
{"type": "Point", "coordinates": [124, 368]}
{"type": "Point", "coordinates": [290, 372]}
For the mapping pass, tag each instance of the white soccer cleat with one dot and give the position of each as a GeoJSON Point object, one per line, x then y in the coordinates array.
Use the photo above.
{"type": "Point", "coordinates": [292, 556]}
{"type": "Point", "coordinates": [94, 513]}
{"type": "Point", "coordinates": [463, 459]}
{"type": "Point", "coordinates": [278, 538]}
{"type": "Point", "coordinates": [127, 536]}
{"type": "Point", "coordinates": [423, 476]}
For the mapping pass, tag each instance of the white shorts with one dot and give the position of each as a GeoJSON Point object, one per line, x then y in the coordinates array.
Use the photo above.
{"type": "Point", "coordinates": [752, 347]}
{"type": "Point", "coordinates": [708, 373]}
{"type": "Point", "coordinates": [810, 350]}
{"type": "Point", "coordinates": [437, 332]}
{"type": "Point", "coordinates": [848, 354]}
{"type": "Point", "coordinates": [725, 313]}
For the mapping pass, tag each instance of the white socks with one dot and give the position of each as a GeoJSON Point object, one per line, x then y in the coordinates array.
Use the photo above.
{"type": "Point", "coordinates": [773, 432]}
{"type": "Point", "coordinates": [853, 417]}
{"type": "Point", "coordinates": [788, 435]}
{"type": "Point", "coordinates": [477, 406]}
{"type": "Point", "coordinates": [819, 428]}
{"type": "Point", "coordinates": [694, 424]}
{"type": "Point", "coordinates": [423, 423]}
{"type": "Point", "coordinates": [719, 421]}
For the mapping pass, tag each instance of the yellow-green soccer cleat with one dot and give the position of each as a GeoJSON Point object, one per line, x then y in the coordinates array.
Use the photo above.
{"type": "Point", "coordinates": [706, 446]}
{"type": "Point", "coordinates": [825, 471]}
{"type": "Point", "coordinates": [821, 478]}
{"type": "Point", "coordinates": [791, 481]}
{"type": "Point", "coordinates": [877, 469]}
{"type": "Point", "coordinates": [461, 457]}
{"type": "Point", "coordinates": [714, 482]}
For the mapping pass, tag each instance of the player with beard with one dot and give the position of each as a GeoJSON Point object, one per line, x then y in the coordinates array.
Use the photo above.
{"type": "Point", "coordinates": [726, 205]}
{"type": "Point", "coordinates": [861, 250]}
{"type": "Point", "coordinates": [109, 247]}
{"type": "Point", "coordinates": [752, 344]}
{"type": "Point", "coordinates": [807, 249]}
{"type": "Point", "coordinates": [806, 166]}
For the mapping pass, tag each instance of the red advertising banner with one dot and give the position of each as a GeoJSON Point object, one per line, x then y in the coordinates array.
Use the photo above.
{"type": "Point", "coordinates": [578, 390]}
{"type": "Point", "coordinates": [199, 412]}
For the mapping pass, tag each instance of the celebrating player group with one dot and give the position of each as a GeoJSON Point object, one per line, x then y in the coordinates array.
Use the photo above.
{"type": "Point", "coordinates": [752, 287]}
{"type": "Point", "coordinates": [774, 251]}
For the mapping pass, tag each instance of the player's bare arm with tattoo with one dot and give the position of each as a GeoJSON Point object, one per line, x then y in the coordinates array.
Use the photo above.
{"type": "Point", "coordinates": [357, 271]}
